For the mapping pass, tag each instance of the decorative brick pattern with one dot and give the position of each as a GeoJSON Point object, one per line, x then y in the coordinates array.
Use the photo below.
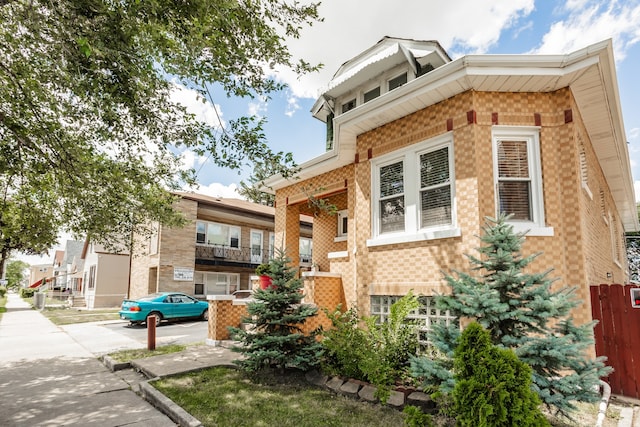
{"type": "Point", "coordinates": [579, 252]}
{"type": "Point", "coordinates": [222, 314]}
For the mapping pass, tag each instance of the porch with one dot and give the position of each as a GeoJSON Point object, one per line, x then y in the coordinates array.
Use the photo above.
{"type": "Point", "coordinates": [321, 289]}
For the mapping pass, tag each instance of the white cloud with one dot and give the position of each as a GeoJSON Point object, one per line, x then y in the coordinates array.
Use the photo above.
{"type": "Point", "coordinates": [292, 106]}
{"type": "Point", "coordinates": [352, 26]}
{"type": "Point", "coordinates": [258, 108]}
{"type": "Point", "coordinates": [592, 21]}
{"type": "Point", "coordinates": [197, 105]}
{"type": "Point", "coordinates": [215, 189]}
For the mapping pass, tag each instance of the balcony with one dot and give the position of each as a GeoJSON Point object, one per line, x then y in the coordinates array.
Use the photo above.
{"type": "Point", "coordinates": [237, 257]}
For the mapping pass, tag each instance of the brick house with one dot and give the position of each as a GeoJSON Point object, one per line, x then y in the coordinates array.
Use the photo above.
{"type": "Point", "coordinates": [216, 253]}
{"type": "Point", "coordinates": [420, 149]}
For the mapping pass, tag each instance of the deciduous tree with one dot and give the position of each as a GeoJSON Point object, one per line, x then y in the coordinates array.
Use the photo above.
{"type": "Point", "coordinates": [88, 100]}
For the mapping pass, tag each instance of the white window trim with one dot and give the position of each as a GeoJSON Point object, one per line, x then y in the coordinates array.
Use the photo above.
{"type": "Point", "coordinates": [229, 275]}
{"type": "Point", "coordinates": [341, 235]}
{"type": "Point", "coordinates": [530, 134]}
{"type": "Point", "coordinates": [410, 157]}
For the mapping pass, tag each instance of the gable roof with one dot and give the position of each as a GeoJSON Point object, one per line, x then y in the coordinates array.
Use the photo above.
{"type": "Point", "coordinates": [589, 73]}
{"type": "Point", "coordinates": [384, 55]}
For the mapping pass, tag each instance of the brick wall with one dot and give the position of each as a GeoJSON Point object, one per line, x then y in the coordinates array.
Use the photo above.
{"type": "Point", "coordinates": [579, 252]}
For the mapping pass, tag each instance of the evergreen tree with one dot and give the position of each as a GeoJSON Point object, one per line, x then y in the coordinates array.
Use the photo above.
{"type": "Point", "coordinates": [276, 339]}
{"type": "Point", "coordinates": [493, 387]}
{"type": "Point", "coordinates": [520, 311]}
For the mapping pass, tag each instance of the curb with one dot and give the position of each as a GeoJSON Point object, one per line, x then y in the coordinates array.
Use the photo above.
{"type": "Point", "coordinates": [167, 406]}
{"type": "Point", "coordinates": [604, 403]}
{"type": "Point", "coordinates": [113, 365]}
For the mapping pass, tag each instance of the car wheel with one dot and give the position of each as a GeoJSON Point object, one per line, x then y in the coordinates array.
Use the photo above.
{"type": "Point", "coordinates": [205, 315]}
{"type": "Point", "coordinates": [158, 317]}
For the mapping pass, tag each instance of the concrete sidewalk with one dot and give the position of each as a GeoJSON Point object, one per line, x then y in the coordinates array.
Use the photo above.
{"type": "Point", "coordinates": [48, 379]}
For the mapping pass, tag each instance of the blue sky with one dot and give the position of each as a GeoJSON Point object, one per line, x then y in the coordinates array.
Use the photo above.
{"type": "Point", "coordinates": [461, 26]}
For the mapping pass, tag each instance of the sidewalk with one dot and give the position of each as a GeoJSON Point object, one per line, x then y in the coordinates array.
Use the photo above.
{"type": "Point", "coordinates": [48, 379]}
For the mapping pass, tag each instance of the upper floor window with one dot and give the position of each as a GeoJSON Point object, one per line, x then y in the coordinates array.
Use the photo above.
{"type": "Point", "coordinates": [349, 105]}
{"type": "Point", "coordinates": [372, 94]}
{"type": "Point", "coordinates": [413, 193]}
{"type": "Point", "coordinates": [212, 233]}
{"type": "Point", "coordinates": [518, 177]}
{"type": "Point", "coordinates": [397, 81]}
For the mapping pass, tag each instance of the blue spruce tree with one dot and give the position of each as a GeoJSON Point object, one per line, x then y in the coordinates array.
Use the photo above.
{"type": "Point", "coordinates": [521, 312]}
{"type": "Point", "coordinates": [276, 340]}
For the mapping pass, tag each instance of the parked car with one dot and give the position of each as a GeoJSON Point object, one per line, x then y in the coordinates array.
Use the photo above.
{"type": "Point", "coordinates": [164, 306]}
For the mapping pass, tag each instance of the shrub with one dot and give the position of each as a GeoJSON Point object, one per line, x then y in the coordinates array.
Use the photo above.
{"type": "Point", "coordinates": [344, 345]}
{"type": "Point", "coordinates": [522, 311]}
{"type": "Point", "coordinates": [3, 291]}
{"type": "Point", "coordinates": [493, 387]}
{"type": "Point", "coordinates": [27, 292]}
{"type": "Point", "coordinates": [414, 417]}
{"type": "Point", "coordinates": [263, 269]}
{"type": "Point", "coordinates": [380, 352]}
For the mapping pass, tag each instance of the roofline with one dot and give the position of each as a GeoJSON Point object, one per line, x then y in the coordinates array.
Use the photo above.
{"type": "Point", "coordinates": [348, 125]}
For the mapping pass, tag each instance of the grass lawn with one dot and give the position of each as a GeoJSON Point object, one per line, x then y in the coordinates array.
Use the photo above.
{"type": "Point", "coordinates": [140, 353]}
{"type": "Point", "coordinates": [66, 316]}
{"type": "Point", "coordinates": [226, 397]}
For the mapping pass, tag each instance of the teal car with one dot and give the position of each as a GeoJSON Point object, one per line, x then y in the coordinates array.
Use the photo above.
{"type": "Point", "coordinates": [164, 306]}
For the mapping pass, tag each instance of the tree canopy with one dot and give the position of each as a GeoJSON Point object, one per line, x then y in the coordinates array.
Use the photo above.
{"type": "Point", "coordinates": [90, 128]}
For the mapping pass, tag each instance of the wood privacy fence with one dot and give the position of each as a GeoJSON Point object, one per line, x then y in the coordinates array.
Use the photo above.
{"type": "Point", "coordinates": [617, 336]}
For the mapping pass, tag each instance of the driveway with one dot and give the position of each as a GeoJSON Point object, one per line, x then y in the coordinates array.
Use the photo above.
{"type": "Point", "coordinates": [106, 337]}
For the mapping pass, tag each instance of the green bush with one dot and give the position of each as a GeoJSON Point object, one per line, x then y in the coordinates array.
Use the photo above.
{"type": "Point", "coordinates": [3, 291]}
{"type": "Point", "coordinates": [493, 387]}
{"type": "Point", "coordinates": [380, 353]}
{"type": "Point", "coordinates": [344, 345]}
{"type": "Point", "coordinates": [414, 417]}
{"type": "Point", "coordinates": [27, 292]}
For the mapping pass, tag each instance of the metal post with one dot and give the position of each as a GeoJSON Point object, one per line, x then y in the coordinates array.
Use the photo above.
{"type": "Point", "coordinates": [151, 332]}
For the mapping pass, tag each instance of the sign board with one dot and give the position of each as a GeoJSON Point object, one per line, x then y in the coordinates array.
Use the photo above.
{"type": "Point", "coordinates": [3, 282]}
{"type": "Point", "coordinates": [183, 274]}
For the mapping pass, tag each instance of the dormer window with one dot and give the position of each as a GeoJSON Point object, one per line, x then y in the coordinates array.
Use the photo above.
{"type": "Point", "coordinates": [397, 81]}
{"type": "Point", "coordinates": [350, 105]}
{"type": "Point", "coordinates": [372, 94]}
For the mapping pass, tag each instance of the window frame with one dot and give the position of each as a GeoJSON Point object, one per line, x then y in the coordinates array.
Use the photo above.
{"type": "Point", "coordinates": [404, 74]}
{"type": "Point", "coordinates": [206, 283]}
{"type": "Point", "coordinates": [228, 245]}
{"type": "Point", "coordinates": [413, 231]}
{"type": "Point", "coordinates": [531, 136]}
{"type": "Point", "coordinates": [342, 229]}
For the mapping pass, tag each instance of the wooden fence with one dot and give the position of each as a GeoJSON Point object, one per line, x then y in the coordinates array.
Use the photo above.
{"type": "Point", "coordinates": [617, 336]}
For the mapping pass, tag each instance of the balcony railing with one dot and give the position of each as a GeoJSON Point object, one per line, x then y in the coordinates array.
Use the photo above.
{"type": "Point", "coordinates": [242, 255]}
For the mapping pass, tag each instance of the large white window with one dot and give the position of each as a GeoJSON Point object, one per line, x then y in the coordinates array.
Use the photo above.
{"type": "Point", "coordinates": [414, 194]}
{"type": "Point", "coordinates": [212, 233]}
{"type": "Point", "coordinates": [518, 178]}
{"type": "Point", "coordinates": [215, 283]}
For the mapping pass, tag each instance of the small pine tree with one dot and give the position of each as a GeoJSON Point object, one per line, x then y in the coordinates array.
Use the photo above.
{"type": "Point", "coordinates": [520, 311]}
{"type": "Point", "coordinates": [276, 339]}
{"type": "Point", "coordinates": [493, 387]}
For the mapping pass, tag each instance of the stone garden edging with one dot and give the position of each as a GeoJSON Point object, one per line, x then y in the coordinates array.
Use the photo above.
{"type": "Point", "coordinates": [398, 398]}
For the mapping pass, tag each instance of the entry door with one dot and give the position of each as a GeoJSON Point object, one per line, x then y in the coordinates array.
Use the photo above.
{"type": "Point", "coordinates": [256, 246]}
